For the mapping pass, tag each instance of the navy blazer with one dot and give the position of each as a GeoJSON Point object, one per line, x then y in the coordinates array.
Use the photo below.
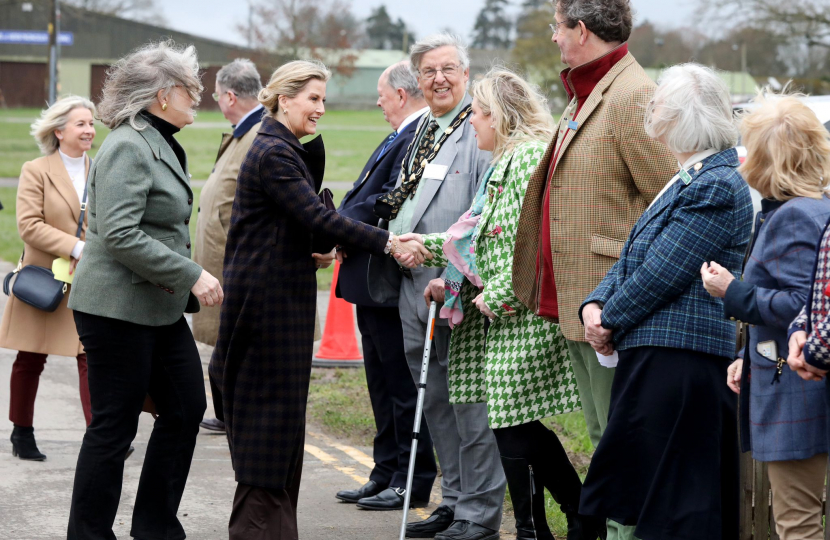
{"type": "Point", "coordinates": [654, 296]}
{"type": "Point", "coordinates": [785, 420]}
{"type": "Point", "coordinates": [379, 176]}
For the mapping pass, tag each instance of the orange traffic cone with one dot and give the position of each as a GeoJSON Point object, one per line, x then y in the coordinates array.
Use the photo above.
{"type": "Point", "coordinates": [339, 345]}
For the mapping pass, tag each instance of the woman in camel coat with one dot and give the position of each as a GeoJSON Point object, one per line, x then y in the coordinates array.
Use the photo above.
{"type": "Point", "coordinates": [48, 210]}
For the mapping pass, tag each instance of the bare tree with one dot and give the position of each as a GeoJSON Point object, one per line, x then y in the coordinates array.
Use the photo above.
{"type": "Point", "coordinates": [138, 10]}
{"type": "Point", "coordinates": [807, 20]}
{"type": "Point", "coordinates": [321, 29]}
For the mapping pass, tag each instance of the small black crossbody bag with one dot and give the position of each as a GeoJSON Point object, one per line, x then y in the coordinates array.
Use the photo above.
{"type": "Point", "coordinates": [36, 285]}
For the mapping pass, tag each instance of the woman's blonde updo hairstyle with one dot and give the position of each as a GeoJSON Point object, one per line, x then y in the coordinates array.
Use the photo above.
{"type": "Point", "coordinates": [54, 118]}
{"type": "Point", "coordinates": [787, 149]}
{"type": "Point", "coordinates": [133, 82]}
{"type": "Point", "coordinates": [289, 80]}
{"type": "Point", "coordinates": [517, 109]}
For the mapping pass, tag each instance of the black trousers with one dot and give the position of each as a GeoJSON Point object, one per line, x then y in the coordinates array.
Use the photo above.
{"type": "Point", "coordinates": [127, 361]}
{"type": "Point", "coordinates": [393, 397]}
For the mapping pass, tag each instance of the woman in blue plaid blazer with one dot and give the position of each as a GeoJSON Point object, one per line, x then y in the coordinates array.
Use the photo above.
{"type": "Point", "coordinates": [667, 466]}
{"type": "Point", "coordinates": [783, 418]}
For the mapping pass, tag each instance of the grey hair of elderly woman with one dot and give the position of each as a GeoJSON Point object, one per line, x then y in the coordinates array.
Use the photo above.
{"type": "Point", "coordinates": [133, 82]}
{"type": "Point", "coordinates": [692, 111]}
{"type": "Point", "coordinates": [437, 41]}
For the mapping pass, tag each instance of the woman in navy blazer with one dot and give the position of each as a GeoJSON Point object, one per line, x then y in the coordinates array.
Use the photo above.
{"type": "Point", "coordinates": [668, 461]}
{"type": "Point", "coordinates": [782, 416]}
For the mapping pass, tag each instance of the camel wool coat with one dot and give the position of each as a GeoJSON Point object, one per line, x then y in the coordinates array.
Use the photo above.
{"type": "Point", "coordinates": [48, 210]}
{"type": "Point", "coordinates": [214, 219]}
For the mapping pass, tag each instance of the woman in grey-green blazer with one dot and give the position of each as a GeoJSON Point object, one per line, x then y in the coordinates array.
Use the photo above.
{"type": "Point", "coordinates": [130, 291]}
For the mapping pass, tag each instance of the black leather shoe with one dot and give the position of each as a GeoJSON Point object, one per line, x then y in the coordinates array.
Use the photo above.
{"type": "Point", "coordinates": [438, 522]}
{"type": "Point", "coordinates": [368, 489]}
{"type": "Point", "coordinates": [24, 445]}
{"type": "Point", "coordinates": [467, 530]}
{"type": "Point", "coordinates": [389, 499]}
{"type": "Point", "coordinates": [212, 424]}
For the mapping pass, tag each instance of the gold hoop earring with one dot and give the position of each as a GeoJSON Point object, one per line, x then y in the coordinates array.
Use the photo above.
{"type": "Point", "coordinates": [164, 106]}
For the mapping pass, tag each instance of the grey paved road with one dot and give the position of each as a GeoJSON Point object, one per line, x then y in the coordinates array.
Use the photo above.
{"type": "Point", "coordinates": [34, 497]}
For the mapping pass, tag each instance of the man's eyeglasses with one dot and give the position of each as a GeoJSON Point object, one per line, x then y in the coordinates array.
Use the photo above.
{"type": "Point", "coordinates": [217, 96]}
{"type": "Point", "coordinates": [555, 27]}
{"type": "Point", "coordinates": [449, 72]}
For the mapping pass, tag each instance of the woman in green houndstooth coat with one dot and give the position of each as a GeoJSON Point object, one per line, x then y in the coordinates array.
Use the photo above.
{"type": "Point", "coordinates": [509, 358]}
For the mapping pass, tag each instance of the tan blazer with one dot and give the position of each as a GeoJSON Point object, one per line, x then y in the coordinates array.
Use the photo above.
{"type": "Point", "coordinates": [213, 220]}
{"type": "Point", "coordinates": [607, 173]}
{"type": "Point", "coordinates": [48, 210]}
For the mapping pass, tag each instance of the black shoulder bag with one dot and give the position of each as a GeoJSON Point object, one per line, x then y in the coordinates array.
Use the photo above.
{"type": "Point", "coordinates": [36, 285]}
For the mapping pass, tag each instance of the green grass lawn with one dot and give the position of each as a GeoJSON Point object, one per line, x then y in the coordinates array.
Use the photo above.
{"type": "Point", "coordinates": [350, 137]}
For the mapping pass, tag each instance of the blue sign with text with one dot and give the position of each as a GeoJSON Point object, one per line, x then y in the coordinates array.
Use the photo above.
{"type": "Point", "coordinates": [33, 37]}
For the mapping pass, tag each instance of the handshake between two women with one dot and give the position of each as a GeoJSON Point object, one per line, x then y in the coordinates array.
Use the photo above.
{"type": "Point", "coordinates": [408, 249]}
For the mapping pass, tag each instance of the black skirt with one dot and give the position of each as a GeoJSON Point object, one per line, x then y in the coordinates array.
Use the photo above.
{"type": "Point", "coordinates": [668, 460]}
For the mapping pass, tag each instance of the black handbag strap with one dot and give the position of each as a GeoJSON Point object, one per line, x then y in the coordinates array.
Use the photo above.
{"type": "Point", "coordinates": [83, 205]}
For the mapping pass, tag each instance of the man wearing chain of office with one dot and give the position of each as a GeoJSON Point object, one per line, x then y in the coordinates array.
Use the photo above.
{"type": "Point", "coordinates": [439, 177]}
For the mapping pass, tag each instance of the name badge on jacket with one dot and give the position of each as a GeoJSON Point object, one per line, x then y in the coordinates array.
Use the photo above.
{"type": "Point", "coordinates": [436, 172]}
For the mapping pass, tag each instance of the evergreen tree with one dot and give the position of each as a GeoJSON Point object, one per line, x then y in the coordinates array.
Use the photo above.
{"type": "Point", "coordinates": [493, 27]}
{"type": "Point", "coordinates": [387, 34]}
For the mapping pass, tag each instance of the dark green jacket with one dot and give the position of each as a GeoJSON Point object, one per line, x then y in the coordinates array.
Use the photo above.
{"type": "Point", "coordinates": [136, 264]}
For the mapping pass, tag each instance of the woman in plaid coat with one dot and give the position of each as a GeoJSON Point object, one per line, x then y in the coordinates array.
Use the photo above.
{"type": "Point", "coordinates": [509, 358]}
{"type": "Point", "coordinates": [668, 461]}
{"type": "Point", "coordinates": [262, 360]}
{"type": "Point", "coordinates": [783, 418]}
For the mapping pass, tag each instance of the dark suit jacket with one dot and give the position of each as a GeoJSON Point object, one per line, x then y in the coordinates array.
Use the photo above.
{"type": "Point", "coordinates": [377, 178]}
{"type": "Point", "coordinates": [262, 360]}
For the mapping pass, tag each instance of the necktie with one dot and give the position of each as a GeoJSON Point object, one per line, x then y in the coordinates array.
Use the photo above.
{"type": "Point", "coordinates": [386, 146]}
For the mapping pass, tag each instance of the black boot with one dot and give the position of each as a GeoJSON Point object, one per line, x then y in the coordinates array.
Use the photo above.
{"type": "Point", "coordinates": [24, 445]}
{"type": "Point", "coordinates": [528, 498]}
{"type": "Point", "coordinates": [555, 472]}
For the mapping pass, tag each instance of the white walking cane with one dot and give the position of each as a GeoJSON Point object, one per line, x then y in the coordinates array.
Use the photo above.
{"type": "Point", "coordinates": [419, 409]}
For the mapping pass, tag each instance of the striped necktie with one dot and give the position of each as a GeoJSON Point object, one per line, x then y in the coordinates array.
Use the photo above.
{"type": "Point", "coordinates": [386, 146]}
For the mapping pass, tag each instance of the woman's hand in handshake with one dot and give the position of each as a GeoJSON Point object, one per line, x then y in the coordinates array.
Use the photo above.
{"type": "Point", "coordinates": [410, 250]}
{"type": "Point", "coordinates": [208, 290]}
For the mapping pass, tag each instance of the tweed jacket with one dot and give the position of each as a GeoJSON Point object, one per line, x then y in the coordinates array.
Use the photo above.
{"type": "Point", "coordinates": [440, 203]}
{"type": "Point", "coordinates": [606, 174]}
{"type": "Point", "coordinates": [261, 365]}
{"type": "Point", "coordinates": [785, 420]}
{"type": "Point", "coordinates": [654, 296]}
{"type": "Point", "coordinates": [524, 383]}
{"type": "Point", "coordinates": [379, 176]}
{"type": "Point", "coordinates": [48, 210]}
{"type": "Point", "coordinates": [136, 265]}
{"type": "Point", "coordinates": [214, 217]}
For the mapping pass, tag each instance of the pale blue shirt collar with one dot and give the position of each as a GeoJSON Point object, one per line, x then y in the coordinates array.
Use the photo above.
{"type": "Point", "coordinates": [445, 120]}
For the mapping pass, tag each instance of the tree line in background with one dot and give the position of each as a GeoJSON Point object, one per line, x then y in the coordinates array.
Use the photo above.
{"type": "Point", "coordinates": [785, 39]}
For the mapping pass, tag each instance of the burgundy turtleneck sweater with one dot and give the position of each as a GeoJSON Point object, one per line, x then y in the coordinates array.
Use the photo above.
{"type": "Point", "coordinates": [579, 82]}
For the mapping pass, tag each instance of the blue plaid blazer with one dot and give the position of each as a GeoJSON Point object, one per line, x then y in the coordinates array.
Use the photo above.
{"type": "Point", "coordinates": [654, 296]}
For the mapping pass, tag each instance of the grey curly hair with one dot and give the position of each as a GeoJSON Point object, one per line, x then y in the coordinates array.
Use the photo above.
{"type": "Point", "coordinates": [133, 82]}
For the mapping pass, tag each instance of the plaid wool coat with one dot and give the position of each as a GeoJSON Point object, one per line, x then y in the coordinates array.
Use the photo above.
{"type": "Point", "coordinates": [606, 174]}
{"type": "Point", "coordinates": [262, 360]}
{"type": "Point", "coordinates": [654, 296]}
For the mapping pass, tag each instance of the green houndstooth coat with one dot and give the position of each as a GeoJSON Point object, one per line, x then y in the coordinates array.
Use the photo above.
{"type": "Point", "coordinates": [522, 370]}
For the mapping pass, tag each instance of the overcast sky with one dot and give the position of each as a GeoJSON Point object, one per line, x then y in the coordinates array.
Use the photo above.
{"type": "Point", "coordinates": [217, 19]}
